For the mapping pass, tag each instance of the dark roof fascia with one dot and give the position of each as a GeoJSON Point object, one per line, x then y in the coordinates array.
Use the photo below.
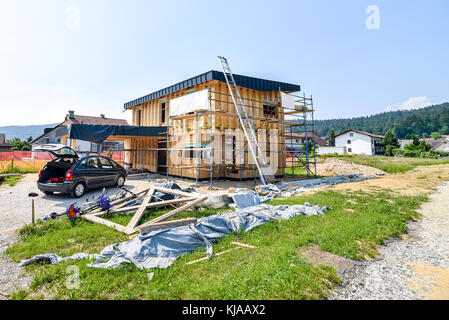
{"type": "Point", "coordinates": [242, 81]}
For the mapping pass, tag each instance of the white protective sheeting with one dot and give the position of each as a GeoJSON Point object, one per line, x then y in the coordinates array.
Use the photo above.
{"type": "Point", "coordinates": [190, 103]}
{"type": "Point", "coordinates": [288, 101]}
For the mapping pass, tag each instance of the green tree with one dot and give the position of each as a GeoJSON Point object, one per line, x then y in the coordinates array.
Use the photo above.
{"type": "Point", "coordinates": [390, 142]}
{"type": "Point", "coordinates": [331, 138]}
{"type": "Point", "coordinates": [18, 144]}
{"type": "Point", "coordinates": [435, 135]}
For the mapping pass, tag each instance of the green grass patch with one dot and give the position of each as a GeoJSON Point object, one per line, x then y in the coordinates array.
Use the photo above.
{"type": "Point", "coordinates": [12, 181]}
{"type": "Point", "coordinates": [274, 270]}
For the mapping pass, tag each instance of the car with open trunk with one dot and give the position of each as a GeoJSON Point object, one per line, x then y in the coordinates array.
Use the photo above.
{"type": "Point", "coordinates": [73, 174]}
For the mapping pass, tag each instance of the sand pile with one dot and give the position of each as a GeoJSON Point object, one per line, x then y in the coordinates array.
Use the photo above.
{"type": "Point", "coordinates": [335, 167]}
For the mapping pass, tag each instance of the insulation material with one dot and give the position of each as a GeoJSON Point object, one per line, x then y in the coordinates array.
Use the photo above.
{"type": "Point", "coordinates": [288, 101]}
{"type": "Point", "coordinates": [190, 103]}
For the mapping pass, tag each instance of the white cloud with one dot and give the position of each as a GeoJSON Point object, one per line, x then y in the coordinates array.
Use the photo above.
{"type": "Point", "coordinates": [411, 103]}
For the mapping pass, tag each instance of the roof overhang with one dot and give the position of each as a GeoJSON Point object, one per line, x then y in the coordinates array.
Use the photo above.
{"type": "Point", "coordinates": [99, 133]}
{"type": "Point", "coordinates": [242, 81]}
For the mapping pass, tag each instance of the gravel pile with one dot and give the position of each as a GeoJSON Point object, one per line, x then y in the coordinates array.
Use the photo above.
{"type": "Point", "coordinates": [414, 268]}
{"type": "Point", "coordinates": [336, 167]}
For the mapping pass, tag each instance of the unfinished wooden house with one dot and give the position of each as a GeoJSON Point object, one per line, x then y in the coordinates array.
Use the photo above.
{"type": "Point", "coordinates": [200, 117]}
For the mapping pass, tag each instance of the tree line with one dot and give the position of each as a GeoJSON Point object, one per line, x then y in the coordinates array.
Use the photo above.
{"type": "Point", "coordinates": [427, 122]}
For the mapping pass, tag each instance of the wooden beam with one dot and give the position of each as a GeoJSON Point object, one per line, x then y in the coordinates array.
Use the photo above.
{"type": "Point", "coordinates": [5, 175]}
{"type": "Point", "coordinates": [176, 211]}
{"type": "Point", "coordinates": [166, 224]}
{"type": "Point", "coordinates": [175, 192]}
{"type": "Point", "coordinates": [151, 205]}
{"type": "Point", "coordinates": [136, 218]}
{"type": "Point", "coordinates": [239, 246]}
{"type": "Point", "coordinates": [95, 219]}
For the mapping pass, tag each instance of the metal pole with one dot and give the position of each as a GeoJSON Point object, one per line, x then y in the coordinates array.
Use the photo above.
{"type": "Point", "coordinates": [210, 141]}
{"type": "Point", "coordinates": [32, 211]}
{"type": "Point", "coordinates": [196, 147]}
{"type": "Point", "coordinates": [182, 151]}
{"type": "Point", "coordinates": [166, 142]}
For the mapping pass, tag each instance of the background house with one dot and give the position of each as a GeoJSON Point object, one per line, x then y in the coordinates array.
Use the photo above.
{"type": "Point", "coordinates": [59, 134]}
{"type": "Point", "coordinates": [441, 145]}
{"type": "Point", "coordinates": [295, 141]}
{"type": "Point", "coordinates": [361, 143]}
{"type": "Point", "coordinates": [4, 146]}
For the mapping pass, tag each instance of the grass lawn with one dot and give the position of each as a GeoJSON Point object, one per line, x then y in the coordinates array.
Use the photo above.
{"type": "Point", "coordinates": [274, 270]}
{"type": "Point", "coordinates": [12, 181]}
{"type": "Point", "coordinates": [391, 164]}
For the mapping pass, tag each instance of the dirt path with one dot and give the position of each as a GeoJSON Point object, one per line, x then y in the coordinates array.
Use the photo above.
{"type": "Point", "coordinates": [414, 267]}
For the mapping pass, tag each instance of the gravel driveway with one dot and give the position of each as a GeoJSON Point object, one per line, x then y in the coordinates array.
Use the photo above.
{"type": "Point", "coordinates": [416, 267]}
{"type": "Point", "coordinates": [15, 211]}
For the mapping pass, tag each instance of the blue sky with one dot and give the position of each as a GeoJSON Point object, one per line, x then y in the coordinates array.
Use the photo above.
{"type": "Point", "coordinates": [51, 61]}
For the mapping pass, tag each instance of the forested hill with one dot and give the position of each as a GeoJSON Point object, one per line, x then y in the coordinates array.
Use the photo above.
{"type": "Point", "coordinates": [422, 122]}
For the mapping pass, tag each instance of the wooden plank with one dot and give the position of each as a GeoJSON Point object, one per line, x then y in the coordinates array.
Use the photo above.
{"type": "Point", "coordinates": [166, 224]}
{"type": "Point", "coordinates": [136, 218]}
{"type": "Point", "coordinates": [151, 205]}
{"type": "Point", "coordinates": [243, 245]}
{"type": "Point", "coordinates": [175, 192]}
{"type": "Point", "coordinates": [5, 175]}
{"type": "Point", "coordinates": [240, 245]}
{"type": "Point", "coordinates": [175, 212]}
{"type": "Point", "coordinates": [110, 224]}
{"type": "Point", "coordinates": [217, 254]}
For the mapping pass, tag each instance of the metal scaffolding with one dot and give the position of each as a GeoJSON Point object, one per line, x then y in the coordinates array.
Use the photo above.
{"type": "Point", "coordinates": [294, 161]}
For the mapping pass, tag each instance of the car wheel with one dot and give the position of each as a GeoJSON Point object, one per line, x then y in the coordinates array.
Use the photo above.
{"type": "Point", "coordinates": [78, 190]}
{"type": "Point", "coordinates": [120, 181]}
{"type": "Point", "coordinates": [48, 192]}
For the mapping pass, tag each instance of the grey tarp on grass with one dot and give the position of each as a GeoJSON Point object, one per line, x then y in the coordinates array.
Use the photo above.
{"type": "Point", "coordinates": [294, 187]}
{"type": "Point", "coordinates": [160, 249]}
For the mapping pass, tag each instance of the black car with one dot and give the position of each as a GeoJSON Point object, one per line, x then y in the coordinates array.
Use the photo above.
{"type": "Point", "coordinates": [69, 173]}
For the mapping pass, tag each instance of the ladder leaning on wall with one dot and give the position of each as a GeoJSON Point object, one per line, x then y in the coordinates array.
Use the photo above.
{"type": "Point", "coordinates": [247, 125]}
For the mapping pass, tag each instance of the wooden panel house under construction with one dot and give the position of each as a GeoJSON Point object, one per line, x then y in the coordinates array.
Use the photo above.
{"type": "Point", "coordinates": [199, 115]}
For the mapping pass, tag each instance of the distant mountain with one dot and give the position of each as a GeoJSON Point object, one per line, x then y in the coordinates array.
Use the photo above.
{"type": "Point", "coordinates": [23, 132]}
{"type": "Point", "coordinates": [421, 122]}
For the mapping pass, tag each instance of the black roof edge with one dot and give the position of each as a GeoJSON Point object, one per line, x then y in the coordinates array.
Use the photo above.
{"type": "Point", "coordinates": [241, 80]}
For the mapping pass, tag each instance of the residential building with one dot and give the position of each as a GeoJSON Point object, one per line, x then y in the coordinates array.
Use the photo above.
{"type": "Point", "coordinates": [59, 134]}
{"type": "Point", "coordinates": [361, 143]}
{"type": "Point", "coordinates": [295, 141]}
{"type": "Point", "coordinates": [4, 146]}
{"type": "Point", "coordinates": [198, 114]}
{"type": "Point", "coordinates": [403, 143]}
{"type": "Point", "coordinates": [441, 145]}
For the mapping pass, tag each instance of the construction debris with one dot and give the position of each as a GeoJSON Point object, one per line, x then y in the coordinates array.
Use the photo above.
{"type": "Point", "coordinates": [160, 248]}
{"type": "Point", "coordinates": [151, 198]}
{"type": "Point", "coordinates": [286, 189]}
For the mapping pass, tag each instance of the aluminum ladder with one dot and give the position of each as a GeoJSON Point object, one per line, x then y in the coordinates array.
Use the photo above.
{"type": "Point", "coordinates": [247, 125]}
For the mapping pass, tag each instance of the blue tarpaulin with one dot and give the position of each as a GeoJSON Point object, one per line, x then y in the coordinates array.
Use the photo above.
{"type": "Point", "coordinates": [99, 133]}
